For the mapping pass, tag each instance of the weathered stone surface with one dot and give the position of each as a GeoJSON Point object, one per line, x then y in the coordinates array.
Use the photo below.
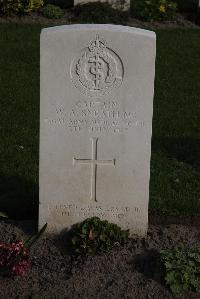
{"type": "Point", "coordinates": [97, 84]}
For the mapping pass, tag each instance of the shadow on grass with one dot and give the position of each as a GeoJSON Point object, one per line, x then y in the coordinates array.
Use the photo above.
{"type": "Point", "coordinates": [185, 150]}
{"type": "Point", "coordinates": [175, 177]}
{"type": "Point", "coordinates": [18, 197]}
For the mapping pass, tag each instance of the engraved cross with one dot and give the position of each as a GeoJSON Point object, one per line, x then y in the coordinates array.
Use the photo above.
{"type": "Point", "coordinates": [94, 162]}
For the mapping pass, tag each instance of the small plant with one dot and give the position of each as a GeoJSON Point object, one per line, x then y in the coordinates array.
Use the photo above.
{"type": "Point", "coordinates": [154, 10]}
{"type": "Point", "coordinates": [94, 235]}
{"type": "Point", "coordinates": [8, 7]}
{"type": "Point", "coordinates": [15, 257]}
{"type": "Point", "coordinates": [52, 12]}
{"type": "Point", "coordinates": [182, 266]}
{"type": "Point", "coordinates": [3, 215]}
{"type": "Point", "coordinates": [100, 13]}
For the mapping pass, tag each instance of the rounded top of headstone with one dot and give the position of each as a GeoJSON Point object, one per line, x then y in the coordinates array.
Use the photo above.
{"type": "Point", "coordinates": [104, 27]}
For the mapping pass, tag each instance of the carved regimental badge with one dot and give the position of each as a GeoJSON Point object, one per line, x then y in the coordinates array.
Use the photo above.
{"type": "Point", "coordinates": [97, 70]}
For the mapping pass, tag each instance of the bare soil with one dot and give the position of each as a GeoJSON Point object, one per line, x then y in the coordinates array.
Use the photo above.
{"type": "Point", "coordinates": [130, 271]}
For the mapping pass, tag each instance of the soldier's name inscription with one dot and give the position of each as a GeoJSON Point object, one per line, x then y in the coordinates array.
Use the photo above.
{"type": "Point", "coordinates": [94, 116]}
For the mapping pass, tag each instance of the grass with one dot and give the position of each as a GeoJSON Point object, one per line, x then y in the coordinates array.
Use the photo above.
{"type": "Point", "coordinates": [19, 115]}
{"type": "Point", "coordinates": [175, 165]}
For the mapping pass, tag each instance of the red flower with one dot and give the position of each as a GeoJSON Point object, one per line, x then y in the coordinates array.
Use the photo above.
{"type": "Point", "coordinates": [21, 268]}
{"type": "Point", "coordinates": [14, 258]}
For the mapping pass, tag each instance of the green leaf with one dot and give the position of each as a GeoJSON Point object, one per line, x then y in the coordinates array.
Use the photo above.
{"type": "Point", "coordinates": [182, 269]}
{"type": "Point", "coordinates": [29, 242]}
{"type": "Point", "coordinates": [176, 288]}
{"type": "Point", "coordinates": [3, 215]}
{"type": "Point", "coordinates": [73, 240]}
{"type": "Point", "coordinates": [106, 235]}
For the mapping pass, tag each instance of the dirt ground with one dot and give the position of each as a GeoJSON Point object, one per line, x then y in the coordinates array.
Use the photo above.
{"type": "Point", "coordinates": [131, 271]}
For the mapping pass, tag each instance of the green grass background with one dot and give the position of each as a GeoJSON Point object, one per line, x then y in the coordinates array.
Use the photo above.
{"type": "Point", "coordinates": [175, 165]}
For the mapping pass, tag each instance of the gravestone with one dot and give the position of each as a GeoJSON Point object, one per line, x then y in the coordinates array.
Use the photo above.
{"type": "Point", "coordinates": [118, 4]}
{"type": "Point", "coordinates": [97, 84]}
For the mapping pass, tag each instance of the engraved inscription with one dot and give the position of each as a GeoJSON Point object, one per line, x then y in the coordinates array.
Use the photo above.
{"type": "Point", "coordinates": [125, 215]}
{"type": "Point", "coordinates": [85, 211]}
{"type": "Point", "coordinates": [94, 162]}
{"type": "Point", "coordinates": [97, 210]}
{"type": "Point", "coordinates": [95, 117]}
{"type": "Point", "coordinates": [98, 69]}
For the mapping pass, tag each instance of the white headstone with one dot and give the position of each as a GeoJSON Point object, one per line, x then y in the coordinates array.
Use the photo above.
{"type": "Point", "coordinates": [118, 4]}
{"type": "Point", "coordinates": [97, 85]}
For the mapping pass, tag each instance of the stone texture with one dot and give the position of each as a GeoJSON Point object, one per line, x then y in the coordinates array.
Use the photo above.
{"type": "Point", "coordinates": [97, 84]}
{"type": "Point", "coordinates": [118, 4]}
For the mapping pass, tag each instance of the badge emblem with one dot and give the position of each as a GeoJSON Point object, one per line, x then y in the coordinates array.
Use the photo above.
{"type": "Point", "coordinates": [98, 69]}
